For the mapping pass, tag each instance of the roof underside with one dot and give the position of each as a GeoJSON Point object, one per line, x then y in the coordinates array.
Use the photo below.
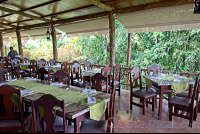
{"type": "Point", "coordinates": [30, 14]}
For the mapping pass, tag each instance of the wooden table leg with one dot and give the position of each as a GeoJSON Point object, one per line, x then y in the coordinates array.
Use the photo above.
{"type": "Point", "coordinates": [83, 81]}
{"type": "Point", "coordinates": [76, 126]}
{"type": "Point", "coordinates": [18, 72]}
{"type": "Point", "coordinates": [160, 104]}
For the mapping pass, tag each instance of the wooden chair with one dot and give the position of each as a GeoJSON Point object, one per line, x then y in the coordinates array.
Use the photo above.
{"type": "Point", "coordinates": [102, 126]}
{"type": "Point", "coordinates": [76, 75]}
{"type": "Point", "coordinates": [61, 76]}
{"type": "Point", "coordinates": [11, 120]}
{"type": "Point", "coordinates": [100, 83]}
{"type": "Point", "coordinates": [155, 70]}
{"type": "Point", "coordinates": [42, 73]}
{"type": "Point", "coordinates": [51, 62]}
{"type": "Point", "coordinates": [48, 102]}
{"type": "Point", "coordinates": [44, 61]}
{"type": "Point", "coordinates": [106, 71]}
{"type": "Point", "coordinates": [31, 72]}
{"type": "Point", "coordinates": [143, 95]}
{"type": "Point", "coordinates": [88, 65]}
{"type": "Point", "coordinates": [116, 78]}
{"type": "Point", "coordinates": [20, 59]}
{"type": "Point", "coordinates": [188, 104]}
{"type": "Point", "coordinates": [75, 62]}
{"type": "Point", "coordinates": [65, 67]}
{"type": "Point", "coordinates": [41, 64]}
{"type": "Point", "coordinates": [25, 60]}
{"type": "Point", "coordinates": [3, 74]}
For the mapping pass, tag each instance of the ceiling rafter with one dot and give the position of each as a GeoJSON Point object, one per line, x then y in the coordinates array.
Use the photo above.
{"type": "Point", "coordinates": [23, 14]}
{"type": "Point", "coordinates": [30, 8]}
{"type": "Point", "coordinates": [6, 24]}
{"type": "Point", "coordinates": [101, 5]}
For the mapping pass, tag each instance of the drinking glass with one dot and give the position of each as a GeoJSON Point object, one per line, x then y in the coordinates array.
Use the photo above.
{"type": "Point", "coordinates": [177, 74]}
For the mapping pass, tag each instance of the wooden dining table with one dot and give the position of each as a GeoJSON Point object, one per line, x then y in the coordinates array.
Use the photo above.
{"type": "Point", "coordinates": [166, 85]}
{"type": "Point", "coordinates": [80, 113]}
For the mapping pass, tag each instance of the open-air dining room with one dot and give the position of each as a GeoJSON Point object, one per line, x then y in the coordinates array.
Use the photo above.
{"type": "Point", "coordinates": [100, 66]}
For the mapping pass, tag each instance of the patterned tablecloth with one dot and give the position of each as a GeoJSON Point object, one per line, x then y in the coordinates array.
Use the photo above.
{"type": "Point", "coordinates": [75, 100]}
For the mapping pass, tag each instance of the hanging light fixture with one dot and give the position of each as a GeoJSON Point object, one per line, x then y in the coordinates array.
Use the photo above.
{"type": "Point", "coordinates": [197, 7]}
{"type": "Point", "coordinates": [48, 34]}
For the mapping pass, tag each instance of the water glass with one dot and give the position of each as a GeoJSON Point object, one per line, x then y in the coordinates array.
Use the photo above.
{"type": "Point", "coordinates": [177, 74]}
{"type": "Point", "coordinates": [170, 72]}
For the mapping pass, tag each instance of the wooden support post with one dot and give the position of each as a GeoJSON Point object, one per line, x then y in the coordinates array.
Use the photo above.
{"type": "Point", "coordinates": [128, 58]}
{"type": "Point", "coordinates": [112, 39]}
{"type": "Point", "coordinates": [19, 40]}
{"type": "Point", "coordinates": [54, 41]}
{"type": "Point", "coordinates": [2, 46]}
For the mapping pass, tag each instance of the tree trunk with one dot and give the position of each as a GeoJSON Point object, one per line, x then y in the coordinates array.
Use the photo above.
{"type": "Point", "coordinates": [112, 39]}
{"type": "Point", "coordinates": [54, 40]}
{"type": "Point", "coordinates": [19, 40]}
{"type": "Point", "coordinates": [105, 49]}
{"type": "Point", "coordinates": [128, 58]}
{"type": "Point", "coordinates": [2, 46]}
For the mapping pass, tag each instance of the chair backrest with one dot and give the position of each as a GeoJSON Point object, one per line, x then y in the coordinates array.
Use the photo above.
{"type": "Point", "coordinates": [75, 68]}
{"type": "Point", "coordinates": [195, 92]}
{"type": "Point", "coordinates": [7, 60]}
{"type": "Point", "coordinates": [19, 58]}
{"type": "Point", "coordinates": [41, 64]}
{"type": "Point", "coordinates": [154, 68]}
{"type": "Point", "coordinates": [75, 62]}
{"type": "Point", "coordinates": [41, 72]}
{"type": "Point", "coordinates": [100, 80]}
{"type": "Point", "coordinates": [33, 66]}
{"type": "Point", "coordinates": [106, 71]}
{"type": "Point", "coordinates": [88, 65]}
{"type": "Point", "coordinates": [111, 113]}
{"type": "Point", "coordinates": [44, 61]}
{"type": "Point", "coordinates": [7, 92]}
{"type": "Point", "coordinates": [51, 62]}
{"type": "Point", "coordinates": [48, 102]}
{"type": "Point", "coordinates": [3, 71]}
{"type": "Point", "coordinates": [15, 61]}
{"type": "Point", "coordinates": [136, 72]}
{"type": "Point", "coordinates": [117, 72]}
{"type": "Point", "coordinates": [66, 67]}
{"type": "Point", "coordinates": [60, 75]}
{"type": "Point", "coordinates": [25, 60]}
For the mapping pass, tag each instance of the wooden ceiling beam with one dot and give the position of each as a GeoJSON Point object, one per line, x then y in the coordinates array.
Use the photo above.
{"type": "Point", "coordinates": [5, 24]}
{"type": "Point", "coordinates": [23, 14]}
{"type": "Point", "coordinates": [101, 5]}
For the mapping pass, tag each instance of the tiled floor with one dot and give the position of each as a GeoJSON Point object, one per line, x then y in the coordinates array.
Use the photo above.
{"type": "Point", "coordinates": [149, 123]}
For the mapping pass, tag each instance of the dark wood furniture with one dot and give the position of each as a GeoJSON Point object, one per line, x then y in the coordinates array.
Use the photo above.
{"type": "Point", "coordinates": [102, 126]}
{"type": "Point", "coordinates": [42, 74]}
{"type": "Point", "coordinates": [25, 60]}
{"type": "Point", "coordinates": [31, 72]}
{"type": "Point", "coordinates": [116, 78]}
{"type": "Point", "coordinates": [61, 76]}
{"type": "Point", "coordinates": [155, 70]}
{"type": "Point", "coordinates": [87, 65]}
{"type": "Point", "coordinates": [65, 67]}
{"type": "Point", "coordinates": [143, 95]}
{"type": "Point", "coordinates": [3, 74]}
{"type": "Point", "coordinates": [10, 120]}
{"type": "Point", "coordinates": [76, 75]}
{"type": "Point", "coordinates": [100, 83]}
{"type": "Point", "coordinates": [40, 64]}
{"type": "Point", "coordinates": [48, 102]}
{"type": "Point", "coordinates": [106, 71]}
{"type": "Point", "coordinates": [51, 62]}
{"type": "Point", "coordinates": [188, 104]}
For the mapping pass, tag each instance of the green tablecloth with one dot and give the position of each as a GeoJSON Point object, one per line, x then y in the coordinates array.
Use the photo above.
{"type": "Point", "coordinates": [55, 68]}
{"type": "Point", "coordinates": [91, 72]}
{"type": "Point", "coordinates": [96, 110]}
{"type": "Point", "coordinates": [24, 67]}
{"type": "Point", "coordinates": [177, 86]}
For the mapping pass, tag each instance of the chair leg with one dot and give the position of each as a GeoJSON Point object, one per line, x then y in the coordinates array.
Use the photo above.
{"type": "Point", "coordinates": [191, 118]}
{"type": "Point", "coordinates": [195, 113]}
{"type": "Point", "coordinates": [156, 101]}
{"type": "Point", "coordinates": [131, 103]}
{"type": "Point", "coordinates": [143, 107]}
{"type": "Point", "coordinates": [169, 97]}
{"type": "Point", "coordinates": [170, 112]}
{"type": "Point", "coordinates": [175, 110]}
{"type": "Point", "coordinates": [198, 107]}
{"type": "Point", "coordinates": [153, 102]}
{"type": "Point", "coordinates": [119, 90]}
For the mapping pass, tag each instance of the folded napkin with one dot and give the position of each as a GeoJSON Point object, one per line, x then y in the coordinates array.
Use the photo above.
{"type": "Point", "coordinates": [26, 92]}
{"type": "Point", "coordinates": [85, 91]}
{"type": "Point", "coordinates": [1, 84]}
{"type": "Point", "coordinates": [91, 100]}
{"type": "Point", "coordinates": [56, 84]}
{"type": "Point", "coordinates": [157, 78]}
{"type": "Point", "coordinates": [92, 91]}
{"type": "Point", "coordinates": [31, 79]}
{"type": "Point", "coordinates": [11, 80]}
{"type": "Point", "coordinates": [182, 77]}
{"type": "Point", "coordinates": [162, 74]}
{"type": "Point", "coordinates": [176, 80]}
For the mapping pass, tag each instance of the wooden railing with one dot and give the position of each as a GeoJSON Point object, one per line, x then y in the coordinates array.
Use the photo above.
{"type": "Point", "coordinates": [125, 74]}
